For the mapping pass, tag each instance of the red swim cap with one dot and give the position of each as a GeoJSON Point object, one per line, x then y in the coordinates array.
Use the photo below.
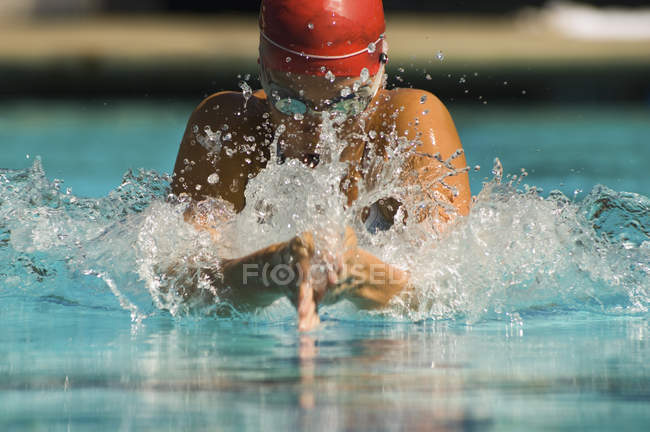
{"type": "Point", "coordinates": [314, 36]}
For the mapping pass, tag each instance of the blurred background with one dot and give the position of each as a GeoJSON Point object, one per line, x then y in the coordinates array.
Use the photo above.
{"type": "Point", "coordinates": [590, 51]}
{"type": "Point", "coordinates": [87, 76]}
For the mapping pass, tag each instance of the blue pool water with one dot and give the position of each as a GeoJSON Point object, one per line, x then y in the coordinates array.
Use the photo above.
{"type": "Point", "coordinates": [544, 322]}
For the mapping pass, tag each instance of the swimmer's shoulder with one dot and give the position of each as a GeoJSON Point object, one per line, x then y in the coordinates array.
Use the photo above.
{"type": "Point", "coordinates": [230, 116]}
{"type": "Point", "coordinates": [420, 115]}
{"type": "Point", "coordinates": [231, 106]}
{"type": "Point", "coordinates": [410, 106]}
{"type": "Point", "coordinates": [225, 135]}
{"type": "Point", "coordinates": [411, 112]}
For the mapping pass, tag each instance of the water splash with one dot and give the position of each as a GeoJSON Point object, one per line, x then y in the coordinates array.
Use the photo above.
{"type": "Point", "coordinates": [517, 254]}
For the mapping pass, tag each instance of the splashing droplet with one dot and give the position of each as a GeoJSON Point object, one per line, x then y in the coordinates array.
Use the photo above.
{"type": "Point", "coordinates": [330, 76]}
{"type": "Point", "coordinates": [346, 91]}
{"type": "Point", "coordinates": [288, 59]}
{"type": "Point", "coordinates": [310, 26]}
{"type": "Point", "coordinates": [440, 56]}
{"type": "Point", "coordinates": [423, 99]}
{"type": "Point", "coordinates": [365, 75]}
{"type": "Point", "coordinates": [497, 170]}
{"type": "Point", "coordinates": [246, 90]}
{"type": "Point", "coordinates": [298, 116]}
{"type": "Point", "coordinates": [428, 77]}
{"type": "Point", "coordinates": [372, 47]}
{"type": "Point", "coordinates": [213, 178]}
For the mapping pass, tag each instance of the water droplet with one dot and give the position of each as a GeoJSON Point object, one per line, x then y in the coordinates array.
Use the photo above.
{"type": "Point", "coordinates": [365, 75]}
{"type": "Point", "coordinates": [477, 168]}
{"type": "Point", "coordinates": [246, 90]}
{"type": "Point", "coordinates": [372, 134]}
{"type": "Point", "coordinates": [298, 116]}
{"type": "Point", "coordinates": [288, 59]}
{"type": "Point", "coordinates": [323, 69]}
{"type": "Point", "coordinates": [428, 77]}
{"type": "Point", "coordinates": [497, 170]}
{"type": "Point", "coordinates": [329, 44]}
{"type": "Point", "coordinates": [423, 99]}
{"type": "Point", "coordinates": [425, 112]}
{"type": "Point", "coordinates": [372, 47]}
{"type": "Point", "coordinates": [197, 187]}
{"type": "Point", "coordinates": [213, 178]}
{"type": "Point", "coordinates": [346, 91]}
{"type": "Point", "coordinates": [523, 92]}
{"type": "Point", "coordinates": [195, 128]}
{"type": "Point", "coordinates": [462, 80]}
{"type": "Point", "coordinates": [310, 26]}
{"type": "Point", "coordinates": [400, 69]}
{"type": "Point", "coordinates": [227, 137]}
{"type": "Point", "coordinates": [440, 56]}
{"type": "Point", "coordinates": [330, 76]}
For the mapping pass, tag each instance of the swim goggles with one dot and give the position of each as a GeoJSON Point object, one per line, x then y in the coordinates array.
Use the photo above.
{"type": "Point", "coordinates": [357, 99]}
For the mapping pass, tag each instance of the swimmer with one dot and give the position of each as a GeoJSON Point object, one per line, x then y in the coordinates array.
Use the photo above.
{"type": "Point", "coordinates": [315, 57]}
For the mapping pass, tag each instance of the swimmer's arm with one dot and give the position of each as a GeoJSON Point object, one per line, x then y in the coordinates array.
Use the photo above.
{"type": "Point", "coordinates": [246, 281]}
{"type": "Point", "coordinates": [364, 279]}
{"type": "Point", "coordinates": [370, 283]}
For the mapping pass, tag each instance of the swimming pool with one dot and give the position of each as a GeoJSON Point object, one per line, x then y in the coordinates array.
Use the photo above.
{"type": "Point", "coordinates": [548, 339]}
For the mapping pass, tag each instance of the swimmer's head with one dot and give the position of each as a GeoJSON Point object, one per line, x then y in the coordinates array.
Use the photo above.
{"type": "Point", "coordinates": [314, 37]}
{"type": "Point", "coordinates": [321, 55]}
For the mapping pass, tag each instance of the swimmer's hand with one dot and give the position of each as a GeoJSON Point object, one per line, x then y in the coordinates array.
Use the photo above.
{"type": "Point", "coordinates": [313, 280]}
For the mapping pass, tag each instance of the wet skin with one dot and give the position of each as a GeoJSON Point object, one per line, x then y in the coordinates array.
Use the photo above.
{"type": "Point", "coordinates": [237, 161]}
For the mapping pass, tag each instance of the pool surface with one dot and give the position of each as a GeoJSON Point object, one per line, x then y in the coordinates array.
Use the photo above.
{"type": "Point", "coordinates": [553, 339]}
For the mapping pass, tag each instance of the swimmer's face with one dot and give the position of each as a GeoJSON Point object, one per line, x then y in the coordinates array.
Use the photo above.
{"type": "Point", "coordinates": [306, 97]}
